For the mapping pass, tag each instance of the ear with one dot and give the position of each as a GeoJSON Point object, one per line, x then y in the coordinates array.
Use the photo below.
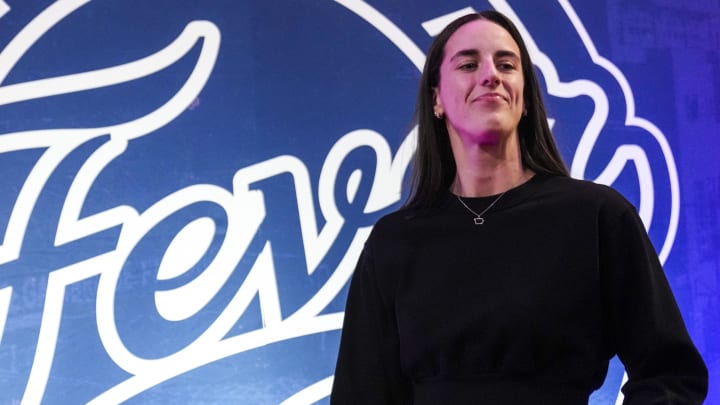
{"type": "Point", "coordinates": [437, 104]}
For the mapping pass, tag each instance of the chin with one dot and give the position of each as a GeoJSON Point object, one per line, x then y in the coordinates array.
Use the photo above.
{"type": "Point", "coordinates": [488, 132]}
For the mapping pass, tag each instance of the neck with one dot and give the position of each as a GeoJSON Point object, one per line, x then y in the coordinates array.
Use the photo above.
{"type": "Point", "coordinates": [488, 169]}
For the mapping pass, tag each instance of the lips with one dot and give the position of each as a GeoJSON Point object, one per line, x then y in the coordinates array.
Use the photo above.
{"type": "Point", "coordinates": [490, 97]}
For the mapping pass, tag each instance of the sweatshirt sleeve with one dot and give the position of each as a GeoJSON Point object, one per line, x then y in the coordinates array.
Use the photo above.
{"type": "Point", "coordinates": [368, 366]}
{"type": "Point", "coordinates": [649, 334]}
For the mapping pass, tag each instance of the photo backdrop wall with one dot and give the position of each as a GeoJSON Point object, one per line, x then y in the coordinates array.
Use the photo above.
{"type": "Point", "coordinates": [186, 185]}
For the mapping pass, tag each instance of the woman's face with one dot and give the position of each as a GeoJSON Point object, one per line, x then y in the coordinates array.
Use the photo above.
{"type": "Point", "coordinates": [480, 91]}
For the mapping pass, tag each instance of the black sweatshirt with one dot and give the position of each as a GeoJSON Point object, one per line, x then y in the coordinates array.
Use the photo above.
{"type": "Point", "coordinates": [527, 308]}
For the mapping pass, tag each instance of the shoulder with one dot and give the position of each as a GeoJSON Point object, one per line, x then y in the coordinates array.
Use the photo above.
{"type": "Point", "coordinates": [391, 228]}
{"type": "Point", "coordinates": [396, 236]}
{"type": "Point", "coordinates": [394, 221]}
{"type": "Point", "coordinates": [580, 188]}
{"type": "Point", "coordinates": [585, 193]}
{"type": "Point", "coordinates": [597, 206]}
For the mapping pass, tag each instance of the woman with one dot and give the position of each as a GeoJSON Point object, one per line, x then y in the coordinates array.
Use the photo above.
{"type": "Point", "coordinates": [503, 280]}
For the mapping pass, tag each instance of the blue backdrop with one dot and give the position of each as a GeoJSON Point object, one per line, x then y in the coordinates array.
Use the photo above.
{"type": "Point", "coordinates": [186, 185]}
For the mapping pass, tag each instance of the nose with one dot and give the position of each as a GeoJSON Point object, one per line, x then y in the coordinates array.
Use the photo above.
{"type": "Point", "coordinates": [489, 75]}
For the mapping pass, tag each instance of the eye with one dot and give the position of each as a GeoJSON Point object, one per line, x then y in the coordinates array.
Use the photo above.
{"type": "Point", "coordinates": [468, 66]}
{"type": "Point", "coordinates": [505, 66]}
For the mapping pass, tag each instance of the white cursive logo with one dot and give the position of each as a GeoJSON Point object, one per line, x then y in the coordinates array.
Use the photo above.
{"type": "Point", "coordinates": [204, 253]}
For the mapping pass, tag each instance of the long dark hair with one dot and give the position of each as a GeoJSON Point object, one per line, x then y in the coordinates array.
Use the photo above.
{"type": "Point", "coordinates": [434, 166]}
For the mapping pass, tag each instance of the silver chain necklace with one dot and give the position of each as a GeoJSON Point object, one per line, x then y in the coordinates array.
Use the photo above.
{"type": "Point", "coordinates": [479, 220]}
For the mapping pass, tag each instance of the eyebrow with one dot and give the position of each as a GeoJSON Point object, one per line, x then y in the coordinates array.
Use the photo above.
{"type": "Point", "coordinates": [474, 52]}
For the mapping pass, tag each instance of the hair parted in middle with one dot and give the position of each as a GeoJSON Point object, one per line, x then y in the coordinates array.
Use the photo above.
{"type": "Point", "coordinates": [434, 165]}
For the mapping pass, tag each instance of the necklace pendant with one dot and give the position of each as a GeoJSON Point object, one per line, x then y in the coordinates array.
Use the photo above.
{"type": "Point", "coordinates": [478, 220]}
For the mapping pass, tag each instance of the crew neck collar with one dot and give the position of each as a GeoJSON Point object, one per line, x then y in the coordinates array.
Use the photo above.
{"type": "Point", "coordinates": [511, 197]}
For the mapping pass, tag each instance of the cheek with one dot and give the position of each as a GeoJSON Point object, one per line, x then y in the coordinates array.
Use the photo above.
{"type": "Point", "coordinates": [520, 86]}
{"type": "Point", "coordinates": [454, 87]}
{"type": "Point", "coordinates": [453, 96]}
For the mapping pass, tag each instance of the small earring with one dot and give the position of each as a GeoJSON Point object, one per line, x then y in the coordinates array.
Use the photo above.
{"type": "Point", "coordinates": [524, 112]}
{"type": "Point", "coordinates": [438, 115]}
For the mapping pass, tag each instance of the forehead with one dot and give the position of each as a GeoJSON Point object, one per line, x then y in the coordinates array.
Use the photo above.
{"type": "Point", "coordinates": [481, 35]}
